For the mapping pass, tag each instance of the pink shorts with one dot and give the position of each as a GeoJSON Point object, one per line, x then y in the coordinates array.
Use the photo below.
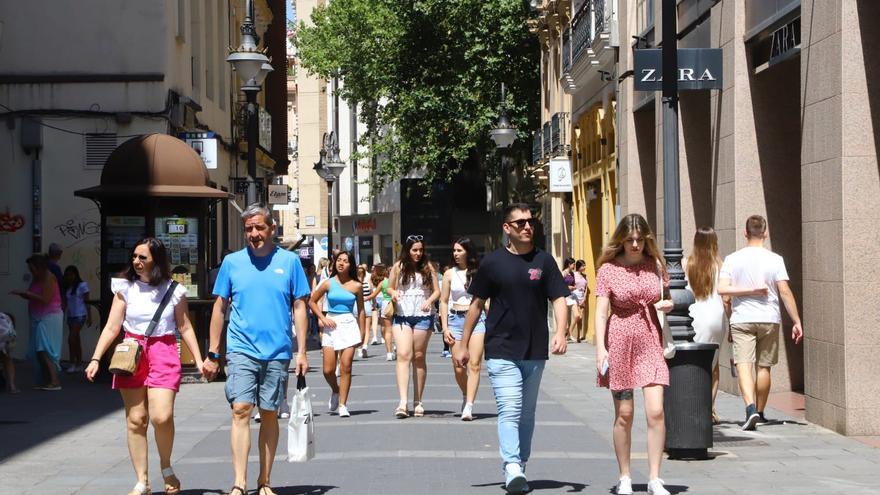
{"type": "Point", "coordinates": [159, 366]}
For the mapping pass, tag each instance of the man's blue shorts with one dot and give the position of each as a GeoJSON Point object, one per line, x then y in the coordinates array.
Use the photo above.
{"type": "Point", "coordinates": [255, 381]}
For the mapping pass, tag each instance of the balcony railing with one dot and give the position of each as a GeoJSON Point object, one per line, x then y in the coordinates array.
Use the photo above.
{"type": "Point", "coordinates": [566, 51]}
{"type": "Point", "coordinates": [580, 29]}
{"type": "Point", "coordinates": [536, 147]}
{"type": "Point", "coordinates": [558, 125]}
{"type": "Point", "coordinates": [548, 146]}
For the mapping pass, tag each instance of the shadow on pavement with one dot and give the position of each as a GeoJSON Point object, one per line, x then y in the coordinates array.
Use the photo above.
{"type": "Point", "coordinates": [672, 488]}
{"type": "Point", "coordinates": [33, 417]}
{"type": "Point", "coordinates": [556, 486]}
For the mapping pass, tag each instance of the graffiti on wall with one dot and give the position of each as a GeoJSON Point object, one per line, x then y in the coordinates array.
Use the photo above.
{"type": "Point", "coordinates": [11, 222]}
{"type": "Point", "coordinates": [77, 228]}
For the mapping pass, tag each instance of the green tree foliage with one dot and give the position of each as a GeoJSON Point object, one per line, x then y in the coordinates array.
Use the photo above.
{"type": "Point", "coordinates": [428, 76]}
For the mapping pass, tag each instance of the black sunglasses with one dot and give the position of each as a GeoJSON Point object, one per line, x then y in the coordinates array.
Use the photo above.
{"type": "Point", "coordinates": [139, 257]}
{"type": "Point", "coordinates": [415, 238]}
{"type": "Point", "coordinates": [521, 223]}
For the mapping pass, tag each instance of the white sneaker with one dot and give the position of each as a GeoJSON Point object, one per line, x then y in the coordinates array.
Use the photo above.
{"type": "Point", "coordinates": [624, 486]}
{"type": "Point", "coordinates": [343, 411]}
{"type": "Point", "coordinates": [257, 418]}
{"type": "Point", "coordinates": [284, 415]}
{"type": "Point", "coordinates": [375, 341]}
{"type": "Point", "coordinates": [467, 413]}
{"type": "Point", "coordinates": [333, 405]}
{"type": "Point", "coordinates": [655, 487]}
{"type": "Point", "coordinates": [514, 479]}
{"type": "Point", "coordinates": [338, 373]}
{"type": "Point", "coordinates": [363, 352]}
{"type": "Point", "coordinates": [389, 356]}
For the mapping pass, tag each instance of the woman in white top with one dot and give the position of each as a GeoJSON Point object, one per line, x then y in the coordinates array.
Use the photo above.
{"type": "Point", "coordinates": [454, 303]}
{"type": "Point", "coordinates": [149, 394]}
{"type": "Point", "coordinates": [413, 288]}
{"type": "Point", "coordinates": [75, 292]}
{"type": "Point", "coordinates": [708, 312]}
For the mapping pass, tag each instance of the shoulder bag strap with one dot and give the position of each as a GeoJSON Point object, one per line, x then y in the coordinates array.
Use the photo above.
{"type": "Point", "coordinates": [161, 309]}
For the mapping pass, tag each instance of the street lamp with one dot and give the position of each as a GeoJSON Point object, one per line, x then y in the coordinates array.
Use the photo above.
{"type": "Point", "coordinates": [503, 134]}
{"type": "Point", "coordinates": [329, 167]}
{"type": "Point", "coordinates": [252, 68]}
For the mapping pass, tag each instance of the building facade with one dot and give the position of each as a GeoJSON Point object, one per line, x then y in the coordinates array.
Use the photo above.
{"type": "Point", "coordinates": [153, 67]}
{"type": "Point", "coordinates": [792, 135]}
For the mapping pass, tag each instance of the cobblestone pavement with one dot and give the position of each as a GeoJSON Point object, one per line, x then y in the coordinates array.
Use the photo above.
{"type": "Point", "coordinates": [73, 441]}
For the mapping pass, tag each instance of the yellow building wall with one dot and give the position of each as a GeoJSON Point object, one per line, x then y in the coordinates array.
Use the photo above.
{"type": "Point", "coordinates": [595, 193]}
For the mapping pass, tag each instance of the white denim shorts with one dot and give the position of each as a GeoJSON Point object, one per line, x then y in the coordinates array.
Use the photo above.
{"type": "Point", "coordinates": [346, 334]}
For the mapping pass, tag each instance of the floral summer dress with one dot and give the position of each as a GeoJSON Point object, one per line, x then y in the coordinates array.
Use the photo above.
{"type": "Point", "coordinates": [635, 357]}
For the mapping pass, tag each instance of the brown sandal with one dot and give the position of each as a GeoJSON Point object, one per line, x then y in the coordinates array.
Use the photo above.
{"type": "Point", "coordinates": [400, 413]}
{"type": "Point", "coordinates": [172, 484]}
{"type": "Point", "coordinates": [238, 489]}
{"type": "Point", "coordinates": [265, 487]}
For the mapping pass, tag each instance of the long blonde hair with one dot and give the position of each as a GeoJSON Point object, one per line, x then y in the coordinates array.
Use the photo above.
{"type": "Point", "coordinates": [629, 224]}
{"type": "Point", "coordinates": [703, 263]}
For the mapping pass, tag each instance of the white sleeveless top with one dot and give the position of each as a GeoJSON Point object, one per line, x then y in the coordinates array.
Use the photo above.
{"type": "Point", "coordinates": [708, 315]}
{"type": "Point", "coordinates": [411, 297]}
{"type": "Point", "coordinates": [458, 294]}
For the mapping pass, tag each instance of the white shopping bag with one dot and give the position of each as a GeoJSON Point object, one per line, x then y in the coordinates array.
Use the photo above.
{"type": "Point", "coordinates": [301, 428]}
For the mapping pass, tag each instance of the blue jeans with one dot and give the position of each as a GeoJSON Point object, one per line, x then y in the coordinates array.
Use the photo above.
{"type": "Point", "coordinates": [516, 394]}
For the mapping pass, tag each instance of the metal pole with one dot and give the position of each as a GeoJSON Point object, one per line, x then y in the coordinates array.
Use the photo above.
{"type": "Point", "coordinates": [252, 138]}
{"type": "Point", "coordinates": [505, 169]}
{"type": "Point", "coordinates": [329, 217]}
{"type": "Point", "coordinates": [679, 321]}
{"type": "Point", "coordinates": [37, 203]}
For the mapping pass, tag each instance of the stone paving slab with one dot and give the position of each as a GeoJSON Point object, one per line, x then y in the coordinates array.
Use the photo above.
{"type": "Point", "coordinates": [73, 441]}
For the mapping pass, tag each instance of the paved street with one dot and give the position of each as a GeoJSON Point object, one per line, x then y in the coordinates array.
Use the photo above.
{"type": "Point", "coordinates": [73, 442]}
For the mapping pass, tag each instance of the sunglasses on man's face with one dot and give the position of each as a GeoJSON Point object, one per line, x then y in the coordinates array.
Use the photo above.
{"type": "Point", "coordinates": [521, 223]}
{"type": "Point", "coordinates": [415, 238]}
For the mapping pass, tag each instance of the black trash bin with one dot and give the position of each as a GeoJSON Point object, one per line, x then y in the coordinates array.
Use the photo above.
{"type": "Point", "coordinates": [687, 403]}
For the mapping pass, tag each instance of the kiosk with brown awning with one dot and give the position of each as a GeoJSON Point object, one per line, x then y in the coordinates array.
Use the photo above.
{"type": "Point", "coordinates": [156, 186]}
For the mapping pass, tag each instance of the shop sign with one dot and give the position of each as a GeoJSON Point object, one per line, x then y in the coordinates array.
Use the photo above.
{"type": "Point", "coordinates": [278, 194]}
{"type": "Point", "coordinates": [560, 175]}
{"type": "Point", "coordinates": [698, 68]}
{"type": "Point", "coordinates": [785, 39]}
{"type": "Point", "coordinates": [361, 225]}
{"type": "Point", "coordinates": [205, 145]}
{"type": "Point", "coordinates": [349, 243]}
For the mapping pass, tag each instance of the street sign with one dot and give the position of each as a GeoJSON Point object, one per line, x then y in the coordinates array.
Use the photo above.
{"type": "Point", "coordinates": [278, 194]}
{"type": "Point", "coordinates": [698, 68]}
{"type": "Point", "coordinates": [560, 175]}
{"type": "Point", "coordinates": [205, 145]}
{"type": "Point", "coordinates": [348, 244]}
{"type": "Point", "coordinates": [323, 243]}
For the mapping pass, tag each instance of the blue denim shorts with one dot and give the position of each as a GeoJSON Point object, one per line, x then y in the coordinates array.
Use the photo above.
{"type": "Point", "coordinates": [255, 381]}
{"type": "Point", "coordinates": [455, 322]}
{"type": "Point", "coordinates": [415, 322]}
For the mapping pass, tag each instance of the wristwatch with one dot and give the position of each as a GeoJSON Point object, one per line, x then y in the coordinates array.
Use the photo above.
{"type": "Point", "coordinates": [213, 356]}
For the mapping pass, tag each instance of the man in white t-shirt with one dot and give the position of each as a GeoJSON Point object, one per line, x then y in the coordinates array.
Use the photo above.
{"type": "Point", "coordinates": [756, 279]}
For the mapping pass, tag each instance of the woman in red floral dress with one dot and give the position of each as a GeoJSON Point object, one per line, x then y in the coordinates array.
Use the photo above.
{"type": "Point", "coordinates": [628, 350]}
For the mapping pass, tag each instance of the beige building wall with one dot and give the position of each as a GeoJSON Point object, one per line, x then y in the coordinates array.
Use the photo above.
{"type": "Point", "coordinates": [840, 97]}
{"type": "Point", "coordinates": [311, 104]}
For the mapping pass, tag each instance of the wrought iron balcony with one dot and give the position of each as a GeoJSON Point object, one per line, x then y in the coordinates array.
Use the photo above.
{"type": "Point", "coordinates": [581, 31]}
{"type": "Point", "coordinates": [558, 126]}
{"type": "Point", "coordinates": [548, 147]}
{"type": "Point", "coordinates": [537, 149]}
{"type": "Point", "coordinates": [566, 51]}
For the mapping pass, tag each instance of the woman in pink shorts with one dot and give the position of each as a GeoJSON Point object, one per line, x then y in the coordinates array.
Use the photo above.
{"type": "Point", "coordinates": [149, 394]}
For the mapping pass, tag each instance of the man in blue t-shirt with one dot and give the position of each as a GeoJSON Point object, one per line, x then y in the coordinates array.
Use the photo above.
{"type": "Point", "coordinates": [262, 282]}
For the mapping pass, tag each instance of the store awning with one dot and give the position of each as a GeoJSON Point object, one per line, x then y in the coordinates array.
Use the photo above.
{"type": "Point", "coordinates": [153, 165]}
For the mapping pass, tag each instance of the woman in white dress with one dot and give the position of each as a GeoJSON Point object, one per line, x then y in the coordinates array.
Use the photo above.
{"type": "Point", "coordinates": [708, 312]}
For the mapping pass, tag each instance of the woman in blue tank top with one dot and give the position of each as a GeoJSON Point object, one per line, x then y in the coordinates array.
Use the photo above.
{"type": "Point", "coordinates": [343, 332]}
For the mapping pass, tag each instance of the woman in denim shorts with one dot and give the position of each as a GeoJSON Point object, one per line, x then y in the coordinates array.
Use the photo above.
{"type": "Point", "coordinates": [413, 288]}
{"type": "Point", "coordinates": [454, 304]}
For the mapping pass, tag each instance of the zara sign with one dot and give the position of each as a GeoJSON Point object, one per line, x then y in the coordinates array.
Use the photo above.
{"type": "Point", "coordinates": [698, 68]}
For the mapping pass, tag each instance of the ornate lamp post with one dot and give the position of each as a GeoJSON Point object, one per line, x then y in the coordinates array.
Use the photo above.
{"type": "Point", "coordinates": [503, 134]}
{"type": "Point", "coordinates": [252, 68]}
{"type": "Point", "coordinates": [329, 167]}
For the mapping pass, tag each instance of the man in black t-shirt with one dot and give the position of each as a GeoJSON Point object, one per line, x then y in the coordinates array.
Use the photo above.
{"type": "Point", "coordinates": [519, 279]}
